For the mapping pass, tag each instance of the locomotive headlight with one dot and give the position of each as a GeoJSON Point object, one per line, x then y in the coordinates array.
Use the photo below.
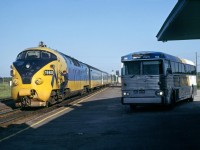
{"type": "Point", "coordinates": [38, 81]}
{"type": "Point", "coordinates": [159, 93]}
{"type": "Point", "coordinates": [12, 73]}
{"type": "Point", "coordinates": [28, 66]}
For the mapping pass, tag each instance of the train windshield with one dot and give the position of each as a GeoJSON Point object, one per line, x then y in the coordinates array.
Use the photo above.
{"type": "Point", "coordinates": [35, 55]}
{"type": "Point", "coordinates": [153, 67]}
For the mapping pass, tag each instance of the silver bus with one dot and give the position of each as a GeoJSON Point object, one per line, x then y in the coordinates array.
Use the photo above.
{"type": "Point", "coordinates": [157, 78]}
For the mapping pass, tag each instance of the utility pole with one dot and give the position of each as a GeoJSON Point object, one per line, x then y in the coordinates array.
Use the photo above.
{"type": "Point", "coordinates": [197, 77]}
{"type": "Point", "coordinates": [196, 59]}
{"type": "Point", "coordinates": [196, 64]}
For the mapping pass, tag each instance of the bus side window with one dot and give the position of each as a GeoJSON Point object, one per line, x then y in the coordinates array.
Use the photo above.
{"type": "Point", "coordinates": [176, 67]}
{"type": "Point", "coordinates": [173, 67]}
{"type": "Point", "coordinates": [179, 68]}
{"type": "Point", "coordinates": [193, 70]}
{"type": "Point", "coordinates": [168, 69]}
{"type": "Point", "coordinates": [187, 69]}
{"type": "Point", "coordinates": [183, 68]}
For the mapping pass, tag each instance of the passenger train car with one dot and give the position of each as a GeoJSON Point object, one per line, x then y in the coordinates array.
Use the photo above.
{"type": "Point", "coordinates": [42, 76]}
{"type": "Point", "coordinates": [157, 78]}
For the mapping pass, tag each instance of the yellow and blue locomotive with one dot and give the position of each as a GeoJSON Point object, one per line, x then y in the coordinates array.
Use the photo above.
{"type": "Point", "coordinates": [43, 76]}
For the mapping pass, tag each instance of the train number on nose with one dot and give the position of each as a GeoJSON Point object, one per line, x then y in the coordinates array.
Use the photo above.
{"type": "Point", "coordinates": [48, 72]}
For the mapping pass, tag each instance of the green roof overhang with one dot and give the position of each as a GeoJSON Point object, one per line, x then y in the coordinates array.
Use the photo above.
{"type": "Point", "coordinates": [183, 22]}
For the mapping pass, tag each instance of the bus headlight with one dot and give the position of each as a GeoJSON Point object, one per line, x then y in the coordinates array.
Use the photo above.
{"type": "Point", "coordinates": [159, 93]}
{"type": "Point", "coordinates": [38, 81]}
{"type": "Point", "coordinates": [126, 93]}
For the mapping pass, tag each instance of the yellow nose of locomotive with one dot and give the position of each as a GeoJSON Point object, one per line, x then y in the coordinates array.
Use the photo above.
{"type": "Point", "coordinates": [33, 77]}
{"type": "Point", "coordinates": [36, 93]}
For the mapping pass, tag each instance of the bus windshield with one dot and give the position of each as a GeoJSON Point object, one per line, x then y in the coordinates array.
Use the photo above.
{"type": "Point", "coordinates": [153, 67]}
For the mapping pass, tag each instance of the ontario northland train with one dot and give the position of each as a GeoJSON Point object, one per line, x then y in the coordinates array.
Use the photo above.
{"type": "Point", "coordinates": [157, 78]}
{"type": "Point", "coordinates": [43, 76]}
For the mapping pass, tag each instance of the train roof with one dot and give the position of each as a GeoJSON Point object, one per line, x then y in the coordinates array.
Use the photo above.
{"type": "Point", "coordinates": [79, 61]}
{"type": "Point", "coordinates": [153, 55]}
{"type": "Point", "coordinates": [43, 47]}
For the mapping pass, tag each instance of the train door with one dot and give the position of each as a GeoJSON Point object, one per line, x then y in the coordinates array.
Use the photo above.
{"type": "Point", "coordinates": [59, 73]}
{"type": "Point", "coordinates": [55, 78]}
{"type": "Point", "coordinates": [62, 74]}
{"type": "Point", "coordinates": [90, 78]}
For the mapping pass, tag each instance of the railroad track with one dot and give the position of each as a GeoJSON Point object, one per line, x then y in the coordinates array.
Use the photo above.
{"type": "Point", "coordinates": [17, 115]}
{"type": "Point", "coordinates": [7, 107]}
{"type": "Point", "coordinates": [8, 111]}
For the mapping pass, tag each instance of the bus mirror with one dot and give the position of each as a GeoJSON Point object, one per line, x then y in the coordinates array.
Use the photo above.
{"type": "Point", "coordinates": [169, 71]}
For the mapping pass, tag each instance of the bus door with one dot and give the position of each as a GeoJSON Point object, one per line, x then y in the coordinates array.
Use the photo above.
{"type": "Point", "coordinates": [169, 80]}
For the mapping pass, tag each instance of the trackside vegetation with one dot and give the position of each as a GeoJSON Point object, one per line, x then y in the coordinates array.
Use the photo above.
{"type": "Point", "coordinates": [5, 89]}
{"type": "Point", "coordinates": [198, 80]}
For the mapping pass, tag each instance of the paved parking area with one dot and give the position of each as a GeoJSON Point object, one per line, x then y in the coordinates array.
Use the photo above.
{"type": "Point", "coordinates": [101, 122]}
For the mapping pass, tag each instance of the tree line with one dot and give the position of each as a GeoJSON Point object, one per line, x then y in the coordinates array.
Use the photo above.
{"type": "Point", "coordinates": [5, 79]}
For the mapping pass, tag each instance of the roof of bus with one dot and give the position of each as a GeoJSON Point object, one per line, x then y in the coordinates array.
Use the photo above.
{"type": "Point", "coordinates": [187, 61]}
{"type": "Point", "coordinates": [153, 55]}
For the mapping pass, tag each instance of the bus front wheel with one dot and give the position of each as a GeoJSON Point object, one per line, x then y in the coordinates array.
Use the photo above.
{"type": "Point", "coordinates": [172, 100]}
{"type": "Point", "coordinates": [132, 106]}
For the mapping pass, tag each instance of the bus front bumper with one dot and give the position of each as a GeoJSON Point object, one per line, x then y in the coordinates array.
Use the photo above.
{"type": "Point", "coordinates": [141, 100]}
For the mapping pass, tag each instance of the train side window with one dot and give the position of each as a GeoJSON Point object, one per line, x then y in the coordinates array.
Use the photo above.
{"type": "Point", "coordinates": [73, 62]}
{"type": "Point", "coordinates": [77, 63]}
{"type": "Point", "coordinates": [67, 59]}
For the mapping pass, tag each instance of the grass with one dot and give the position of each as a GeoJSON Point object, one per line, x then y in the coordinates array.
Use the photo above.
{"type": "Point", "coordinates": [198, 84]}
{"type": "Point", "coordinates": [5, 90]}
{"type": "Point", "coordinates": [198, 81]}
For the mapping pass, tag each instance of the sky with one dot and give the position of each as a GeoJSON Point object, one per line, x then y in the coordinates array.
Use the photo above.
{"type": "Point", "coordinates": [96, 32]}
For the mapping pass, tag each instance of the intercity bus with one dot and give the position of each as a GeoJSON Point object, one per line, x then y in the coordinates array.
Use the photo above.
{"type": "Point", "coordinates": [157, 78]}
